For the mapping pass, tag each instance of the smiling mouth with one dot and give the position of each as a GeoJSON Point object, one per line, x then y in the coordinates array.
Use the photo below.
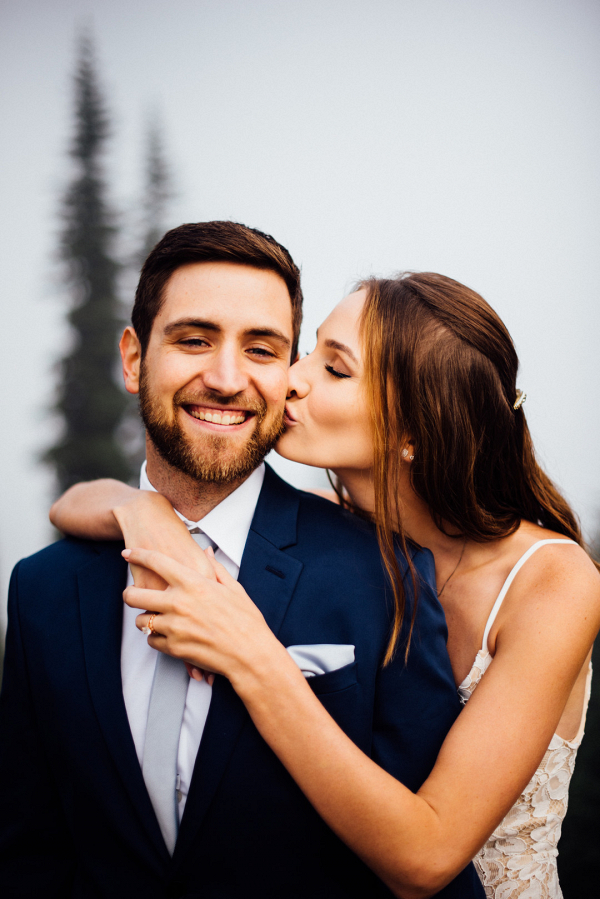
{"type": "Point", "coordinates": [223, 417]}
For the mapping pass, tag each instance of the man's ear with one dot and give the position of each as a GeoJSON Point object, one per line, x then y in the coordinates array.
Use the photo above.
{"type": "Point", "coordinates": [131, 358]}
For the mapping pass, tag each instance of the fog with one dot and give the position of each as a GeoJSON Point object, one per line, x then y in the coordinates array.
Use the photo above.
{"type": "Point", "coordinates": [367, 137]}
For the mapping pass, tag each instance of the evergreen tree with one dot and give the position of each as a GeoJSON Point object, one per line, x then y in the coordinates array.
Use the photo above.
{"type": "Point", "coordinates": [151, 216]}
{"type": "Point", "coordinates": [157, 190]}
{"type": "Point", "coordinates": [89, 400]}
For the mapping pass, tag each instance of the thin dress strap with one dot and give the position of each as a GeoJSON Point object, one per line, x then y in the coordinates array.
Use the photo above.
{"type": "Point", "coordinates": [508, 582]}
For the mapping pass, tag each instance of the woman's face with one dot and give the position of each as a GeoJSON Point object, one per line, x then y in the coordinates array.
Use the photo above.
{"type": "Point", "coordinates": [327, 417]}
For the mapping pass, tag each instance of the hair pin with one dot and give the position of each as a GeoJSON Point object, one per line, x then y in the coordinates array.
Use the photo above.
{"type": "Point", "coordinates": [521, 397]}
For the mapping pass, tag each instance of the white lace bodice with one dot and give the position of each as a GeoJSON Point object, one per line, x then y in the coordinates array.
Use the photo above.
{"type": "Point", "coordinates": [519, 859]}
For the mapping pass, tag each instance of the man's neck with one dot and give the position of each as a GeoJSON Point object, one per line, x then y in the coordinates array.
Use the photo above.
{"type": "Point", "coordinates": [192, 498]}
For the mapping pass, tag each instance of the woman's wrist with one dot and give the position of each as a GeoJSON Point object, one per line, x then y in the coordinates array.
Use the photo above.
{"type": "Point", "coordinates": [266, 670]}
{"type": "Point", "coordinates": [139, 502]}
{"type": "Point", "coordinates": [142, 518]}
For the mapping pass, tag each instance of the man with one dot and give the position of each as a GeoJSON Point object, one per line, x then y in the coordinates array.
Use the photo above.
{"type": "Point", "coordinates": [121, 777]}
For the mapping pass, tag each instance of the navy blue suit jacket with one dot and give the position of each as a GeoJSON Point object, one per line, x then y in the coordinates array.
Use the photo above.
{"type": "Point", "coordinates": [76, 819]}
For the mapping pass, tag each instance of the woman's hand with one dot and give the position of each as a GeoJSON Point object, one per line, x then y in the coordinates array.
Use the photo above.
{"type": "Point", "coordinates": [108, 510]}
{"type": "Point", "coordinates": [147, 520]}
{"type": "Point", "coordinates": [205, 618]}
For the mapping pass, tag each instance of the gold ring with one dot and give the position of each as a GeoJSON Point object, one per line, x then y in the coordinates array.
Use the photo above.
{"type": "Point", "coordinates": [149, 631]}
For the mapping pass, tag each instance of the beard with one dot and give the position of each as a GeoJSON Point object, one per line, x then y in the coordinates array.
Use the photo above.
{"type": "Point", "coordinates": [213, 460]}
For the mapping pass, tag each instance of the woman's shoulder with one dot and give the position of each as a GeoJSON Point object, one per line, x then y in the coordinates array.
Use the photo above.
{"type": "Point", "coordinates": [550, 575]}
{"type": "Point", "coordinates": [549, 555]}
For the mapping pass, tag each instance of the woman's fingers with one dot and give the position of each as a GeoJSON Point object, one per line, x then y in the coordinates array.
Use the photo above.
{"type": "Point", "coordinates": [206, 622]}
{"type": "Point", "coordinates": [170, 570]}
{"type": "Point", "coordinates": [200, 674]}
{"type": "Point", "coordinates": [191, 555]}
{"type": "Point", "coordinates": [150, 620]}
{"type": "Point", "coordinates": [223, 575]}
{"type": "Point", "coordinates": [149, 521]}
{"type": "Point", "coordinates": [158, 640]}
{"type": "Point", "coordinates": [191, 670]}
{"type": "Point", "coordinates": [149, 580]}
{"type": "Point", "coordinates": [143, 598]}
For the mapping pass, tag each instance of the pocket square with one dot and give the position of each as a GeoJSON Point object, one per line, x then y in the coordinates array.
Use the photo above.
{"type": "Point", "coordinates": [319, 658]}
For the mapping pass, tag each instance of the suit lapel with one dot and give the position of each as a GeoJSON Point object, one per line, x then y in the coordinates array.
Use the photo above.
{"type": "Point", "coordinates": [101, 584]}
{"type": "Point", "coordinates": [269, 576]}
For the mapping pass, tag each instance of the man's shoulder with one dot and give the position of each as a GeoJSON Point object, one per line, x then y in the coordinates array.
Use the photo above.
{"type": "Point", "coordinates": [338, 521]}
{"type": "Point", "coordinates": [326, 524]}
{"type": "Point", "coordinates": [340, 525]}
{"type": "Point", "coordinates": [316, 511]}
{"type": "Point", "coordinates": [67, 554]}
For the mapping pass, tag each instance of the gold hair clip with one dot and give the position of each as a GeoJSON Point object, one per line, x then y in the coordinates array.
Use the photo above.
{"type": "Point", "coordinates": [521, 397]}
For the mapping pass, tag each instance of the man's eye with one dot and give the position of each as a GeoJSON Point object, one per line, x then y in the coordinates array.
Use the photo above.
{"type": "Point", "coordinates": [336, 374]}
{"type": "Point", "coordinates": [194, 341]}
{"type": "Point", "coordinates": [261, 351]}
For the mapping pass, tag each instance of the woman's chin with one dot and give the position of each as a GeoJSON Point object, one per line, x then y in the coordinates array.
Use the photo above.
{"type": "Point", "coordinates": [285, 453]}
{"type": "Point", "coordinates": [283, 449]}
{"type": "Point", "coordinates": [280, 451]}
{"type": "Point", "coordinates": [286, 449]}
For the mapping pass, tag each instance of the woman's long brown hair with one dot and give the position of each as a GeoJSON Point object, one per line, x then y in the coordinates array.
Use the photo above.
{"type": "Point", "coordinates": [441, 372]}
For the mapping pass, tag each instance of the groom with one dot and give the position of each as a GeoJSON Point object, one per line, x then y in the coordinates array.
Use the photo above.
{"type": "Point", "coordinates": [119, 776]}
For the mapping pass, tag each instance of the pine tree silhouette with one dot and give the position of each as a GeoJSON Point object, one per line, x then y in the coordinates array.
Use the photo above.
{"type": "Point", "coordinates": [157, 189]}
{"type": "Point", "coordinates": [89, 399]}
{"type": "Point", "coordinates": [156, 194]}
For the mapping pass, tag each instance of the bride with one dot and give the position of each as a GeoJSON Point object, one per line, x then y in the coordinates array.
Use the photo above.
{"type": "Point", "coordinates": [410, 398]}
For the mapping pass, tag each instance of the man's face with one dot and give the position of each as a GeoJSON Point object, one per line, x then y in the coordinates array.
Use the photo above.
{"type": "Point", "coordinates": [214, 378]}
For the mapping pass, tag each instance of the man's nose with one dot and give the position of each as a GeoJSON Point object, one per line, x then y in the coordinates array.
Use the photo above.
{"type": "Point", "coordinates": [226, 372]}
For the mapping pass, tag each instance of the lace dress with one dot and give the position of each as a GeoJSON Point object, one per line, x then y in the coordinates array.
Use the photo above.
{"type": "Point", "coordinates": [519, 859]}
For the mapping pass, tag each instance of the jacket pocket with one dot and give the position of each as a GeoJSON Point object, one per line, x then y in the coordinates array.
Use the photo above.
{"type": "Point", "coordinates": [334, 681]}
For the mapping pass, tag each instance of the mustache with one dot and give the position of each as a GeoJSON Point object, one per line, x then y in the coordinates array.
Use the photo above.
{"type": "Point", "coordinates": [184, 397]}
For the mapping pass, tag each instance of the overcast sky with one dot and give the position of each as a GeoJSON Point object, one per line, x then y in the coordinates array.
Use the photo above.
{"type": "Point", "coordinates": [456, 136]}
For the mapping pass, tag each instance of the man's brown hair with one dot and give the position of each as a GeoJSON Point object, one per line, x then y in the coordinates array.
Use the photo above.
{"type": "Point", "coordinates": [211, 242]}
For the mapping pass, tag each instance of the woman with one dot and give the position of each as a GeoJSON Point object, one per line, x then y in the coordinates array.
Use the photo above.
{"type": "Point", "coordinates": [410, 398]}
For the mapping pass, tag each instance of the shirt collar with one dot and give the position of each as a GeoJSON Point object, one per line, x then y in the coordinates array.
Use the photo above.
{"type": "Point", "coordinates": [228, 523]}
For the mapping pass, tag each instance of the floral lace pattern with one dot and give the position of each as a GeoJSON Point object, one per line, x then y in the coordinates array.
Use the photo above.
{"type": "Point", "coordinates": [519, 859]}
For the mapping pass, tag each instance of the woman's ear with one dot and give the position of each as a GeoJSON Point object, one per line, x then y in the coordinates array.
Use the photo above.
{"type": "Point", "coordinates": [131, 357]}
{"type": "Point", "coordinates": [408, 450]}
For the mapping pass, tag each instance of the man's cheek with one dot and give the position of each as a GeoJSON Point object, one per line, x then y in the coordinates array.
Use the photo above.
{"type": "Point", "coordinates": [278, 390]}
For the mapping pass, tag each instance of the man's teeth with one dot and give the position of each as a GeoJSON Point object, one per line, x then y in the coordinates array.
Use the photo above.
{"type": "Point", "coordinates": [218, 419]}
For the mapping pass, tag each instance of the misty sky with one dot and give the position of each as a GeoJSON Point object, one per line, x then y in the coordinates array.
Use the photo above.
{"type": "Point", "coordinates": [456, 136]}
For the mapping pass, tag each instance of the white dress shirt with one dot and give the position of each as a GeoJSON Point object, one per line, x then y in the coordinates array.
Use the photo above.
{"type": "Point", "coordinates": [227, 525]}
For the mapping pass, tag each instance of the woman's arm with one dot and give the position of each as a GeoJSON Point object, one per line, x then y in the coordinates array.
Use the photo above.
{"type": "Point", "coordinates": [110, 510]}
{"type": "Point", "coordinates": [86, 509]}
{"type": "Point", "coordinates": [415, 843]}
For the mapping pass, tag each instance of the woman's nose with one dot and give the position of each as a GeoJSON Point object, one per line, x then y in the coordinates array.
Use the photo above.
{"type": "Point", "coordinates": [298, 379]}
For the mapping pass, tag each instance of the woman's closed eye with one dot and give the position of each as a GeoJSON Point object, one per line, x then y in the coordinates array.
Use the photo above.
{"type": "Point", "coordinates": [334, 371]}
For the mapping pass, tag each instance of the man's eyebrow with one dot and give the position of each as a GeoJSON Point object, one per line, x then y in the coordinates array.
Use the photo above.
{"type": "Point", "coordinates": [205, 325]}
{"type": "Point", "coordinates": [182, 323]}
{"type": "Point", "coordinates": [336, 345]}
{"type": "Point", "coordinates": [270, 332]}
